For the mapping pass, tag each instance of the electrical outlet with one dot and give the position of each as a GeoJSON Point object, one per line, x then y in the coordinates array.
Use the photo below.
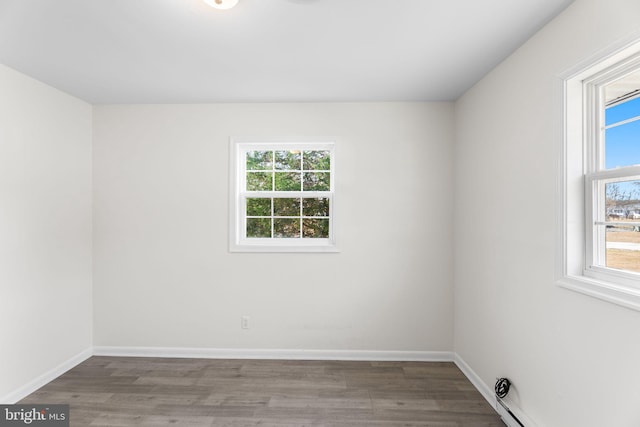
{"type": "Point", "coordinates": [244, 322]}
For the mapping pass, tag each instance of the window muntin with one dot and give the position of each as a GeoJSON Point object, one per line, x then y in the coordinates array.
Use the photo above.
{"type": "Point", "coordinates": [618, 112]}
{"type": "Point", "coordinates": [284, 196]}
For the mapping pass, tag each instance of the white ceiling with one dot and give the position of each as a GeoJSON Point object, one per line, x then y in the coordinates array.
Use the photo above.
{"type": "Point", "coordinates": [183, 51]}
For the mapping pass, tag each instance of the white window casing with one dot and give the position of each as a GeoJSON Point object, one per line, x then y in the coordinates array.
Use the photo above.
{"type": "Point", "coordinates": [583, 177]}
{"type": "Point", "coordinates": [240, 194]}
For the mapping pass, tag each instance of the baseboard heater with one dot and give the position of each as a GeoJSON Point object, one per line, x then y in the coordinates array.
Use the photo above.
{"type": "Point", "coordinates": [502, 388]}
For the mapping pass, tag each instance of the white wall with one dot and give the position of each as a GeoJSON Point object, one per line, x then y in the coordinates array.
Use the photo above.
{"type": "Point", "coordinates": [164, 277]}
{"type": "Point", "coordinates": [45, 230]}
{"type": "Point", "coordinates": [573, 359]}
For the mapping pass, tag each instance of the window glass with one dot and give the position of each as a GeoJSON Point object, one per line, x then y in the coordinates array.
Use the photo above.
{"type": "Point", "coordinates": [258, 207]}
{"type": "Point", "coordinates": [622, 145]}
{"type": "Point", "coordinates": [259, 181]}
{"type": "Point", "coordinates": [316, 206]}
{"type": "Point", "coordinates": [258, 227]}
{"type": "Point", "coordinates": [622, 111]}
{"type": "Point", "coordinates": [622, 250]}
{"type": "Point", "coordinates": [287, 193]}
{"type": "Point", "coordinates": [286, 207]}
{"type": "Point", "coordinates": [315, 228]}
{"type": "Point", "coordinates": [317, 160]}
{"type": "Point", "coordinates": [288, 160]}
{"type": "Point", "coordinates": [259, 160]}
{"type": "Point", "coordinates": [622, 225]}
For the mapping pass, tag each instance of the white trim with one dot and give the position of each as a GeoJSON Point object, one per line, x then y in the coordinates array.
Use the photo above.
{"type": "Point", "coordinates": [237, 243]}
{"type": "Point", "coordinates": [45, 378]}
{"type": "Point", "coordinates": [605, 57]}
{"type": "Point", "coordinates": [483, 388]}
{"type": "Point", "coordinates": [622, 296]}
{"type": "Point", "coordinates": [490, 397]}
{"type": "Point", "coordinates": [224, 353]}
{"type": "Point", "coordinates": [280, 354]}
{"type": "Point", "coordinates": [574, 242]}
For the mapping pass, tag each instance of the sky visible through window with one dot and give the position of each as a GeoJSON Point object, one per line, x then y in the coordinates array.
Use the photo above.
{"type": "Point", "coordinates": [623, 141]}
{"type": "Point", "coordinates": [622, 145]}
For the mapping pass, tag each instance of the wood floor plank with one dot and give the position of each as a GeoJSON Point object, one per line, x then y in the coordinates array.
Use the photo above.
{"type": "Point", "coordinates": [415, 404]}
{"type": "Point", "coordinates": [128, 391]}
{"type": "Point", "coordinates": [320, 402]}
{"type": "Point", "coordinates": [185, 421]}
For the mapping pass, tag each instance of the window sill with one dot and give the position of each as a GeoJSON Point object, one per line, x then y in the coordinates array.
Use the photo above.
{"type": "Point", "coordinates": [284, 247]}
{"type": "Point", "coordinates": [624, 296]}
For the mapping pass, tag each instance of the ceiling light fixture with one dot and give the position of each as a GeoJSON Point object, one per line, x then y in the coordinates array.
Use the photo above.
{"type": "Point", "coordinates": [221, 4]}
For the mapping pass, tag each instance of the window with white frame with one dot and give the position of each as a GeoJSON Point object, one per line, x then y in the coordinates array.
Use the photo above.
{"type": "Point", "coordinates": [613, 177]}
{"type": "Point", "coordinates": [283, 196]}
{"type": "Point", "coordinates": [601, 180]}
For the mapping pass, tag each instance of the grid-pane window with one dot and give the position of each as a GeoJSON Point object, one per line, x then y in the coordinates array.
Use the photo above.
{"type": "Point", "coordinates": [284, 196]}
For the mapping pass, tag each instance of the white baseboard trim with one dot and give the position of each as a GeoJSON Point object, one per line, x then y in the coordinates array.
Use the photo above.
{"type": "Point", "coordinates": [283, 354]}
{"type": "Point", "coordinates": [484, 389]}
{"type": "Point", "coordinates": [489, 395]}
{"type": "Point", "coordinates": [45, 378]}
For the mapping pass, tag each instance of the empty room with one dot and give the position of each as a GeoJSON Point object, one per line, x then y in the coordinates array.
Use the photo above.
{"type": "Point", "coordinates": [320, 213]}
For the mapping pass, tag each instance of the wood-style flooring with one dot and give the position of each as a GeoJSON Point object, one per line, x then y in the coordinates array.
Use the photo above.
{"type": "Point", "coordinates": [135, 391]}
